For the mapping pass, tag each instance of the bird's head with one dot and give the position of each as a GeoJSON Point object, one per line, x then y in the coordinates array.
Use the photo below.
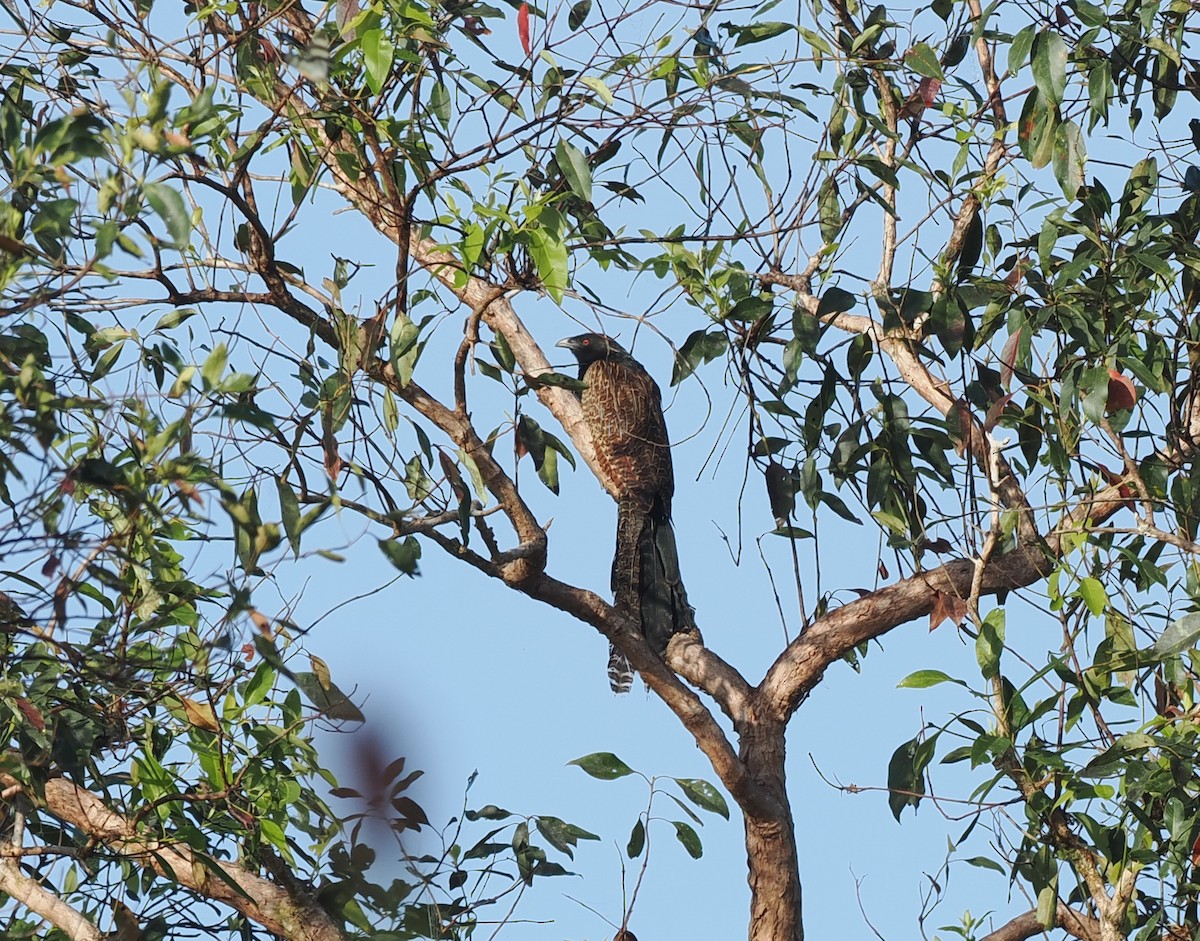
{"type": "Point", "coordinates": [590, 347]}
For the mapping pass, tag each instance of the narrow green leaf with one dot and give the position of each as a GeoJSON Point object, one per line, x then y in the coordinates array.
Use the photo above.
{"type": "Point", "coordinates": [835, 300]}
{"type": "Point", "coordinates": [289, 508]}
{"type": "Point", "coordinates": [923, 679]}
{"type": "Point", "coordinates": [760, 32]}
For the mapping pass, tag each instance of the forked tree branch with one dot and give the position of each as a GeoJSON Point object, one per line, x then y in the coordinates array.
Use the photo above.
{"type": "Point", "coordinates": [283, 911]}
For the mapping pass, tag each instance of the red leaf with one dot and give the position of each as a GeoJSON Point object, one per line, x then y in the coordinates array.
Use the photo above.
{"type": "Point", "coordinates": [947, 606]}
{"type": "Point", "coordinates": [1196, 852]}
{"type": "Point", "coordinates": [1121, 393]}
{"type": "Point", "coordinates": [928, 89]}
{"type": "Point", "coordinates": [1008, 356]}
{"type": "Point", "coordinates": [1013, 279]}
{"type": "Point", "coordinates": [523, 28]}
{"type": "Point", "coordinates": [912, 107]}
{"type": "Point", "coordinates": [996, 410]}
{"type": "Point", "coordinates": [32, 714]}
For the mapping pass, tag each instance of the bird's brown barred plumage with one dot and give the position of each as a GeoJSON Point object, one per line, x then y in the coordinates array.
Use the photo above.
{"type": "Point", "coordinates": [623, 408]}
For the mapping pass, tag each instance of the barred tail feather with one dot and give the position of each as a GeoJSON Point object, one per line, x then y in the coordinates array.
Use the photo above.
{"type": "Point", "coordinates": [620, 673]}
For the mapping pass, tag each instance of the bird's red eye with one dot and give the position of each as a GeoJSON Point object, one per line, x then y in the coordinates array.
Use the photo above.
{"type": "Point", "coordinates": [587, 342]}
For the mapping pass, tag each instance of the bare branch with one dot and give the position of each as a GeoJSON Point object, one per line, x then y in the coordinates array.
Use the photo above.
{"type": "Point", "coordinates": [1027, 926]}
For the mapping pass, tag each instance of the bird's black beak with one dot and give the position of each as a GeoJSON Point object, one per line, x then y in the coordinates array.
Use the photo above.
{"type": "Point", "coordinates": [567, 343]}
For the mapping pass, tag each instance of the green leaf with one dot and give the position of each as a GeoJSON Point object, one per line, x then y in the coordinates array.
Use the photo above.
{"type": "Point", "coordinates": [214, 366]}
{"type": "Point", "coordinates": [549, 253]}
{"type": "Point", "coordinates": [1070, 158]}
{"type": "Point", "coordinates": [289, 508]}
{"type": "Point", "coordinates": [990, 643]}
{"type": "Point", "coordinates": [923, 679]}
{"type": "Point", "coordinates": [169, 206]}
{"type": "Point", "coordinates": [1094, 386]}
{"type": "Point", "coordinates": [689, 838]}
{"type": "Point", "coordinates": [603, 765]}
{"type": "Point", "coordinates": [637, 840]}
{"type": "Point", "coordinates": [579, 14]}
{"type": "Point", "coordinates": [378, 53]}
{"type": "Point", "coordinates": [835, 300]}
{"type": "Point", "coordinates": [1179, 636]}
{"type": "Point", "coordinates": [1018, 51]}
{"type": "Point", "coordinates": [402, 553]}
{"type": "Point", "coordinates": [1050, 65]}
{"type": "Point", "coordinates": [924, 61]}
{"type": "Point", "coordinates": [403, 349]}
{"type": "Point", "coordinates": [1035, 129]}
{"type": "Point", "coordinates": [575, 169]}
{"type": "Point", "coordinates": [174, 318]}
{"type": "Point", "coordinates": [439, 104]}
{"type": "Point", "coordinates": [984, 862]}
{"type": "Point", "coordinates": [906, 773]}
{"type": "Point", "coordinates": [1093, 595]}
{"type": "Point", "coordinates": [700, 347]}
{"type": "Point", "coordinates": [598, 86]}
{"type": "Point", "coordinates": [332, 702]}
{"type": "Point", "coordinates": [759, 32]}
{"type": "Point", "coordinates": [703, 795]}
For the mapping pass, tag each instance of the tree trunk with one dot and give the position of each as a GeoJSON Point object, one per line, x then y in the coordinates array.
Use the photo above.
{"type": "Point", "coordinates": [771, 854]}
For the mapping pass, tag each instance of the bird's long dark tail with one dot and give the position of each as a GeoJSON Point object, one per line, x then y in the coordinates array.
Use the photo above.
{"type": "Point", "coordinates": [646, 583]}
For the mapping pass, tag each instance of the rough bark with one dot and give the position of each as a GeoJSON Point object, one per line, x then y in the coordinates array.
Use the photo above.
{"type": "Point", "coordinates": [772, 855]}
{"type": "Point", "coordinates": [284, 911]}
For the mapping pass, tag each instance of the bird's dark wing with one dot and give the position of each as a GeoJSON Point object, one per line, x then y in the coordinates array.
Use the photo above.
{"type": "Point", "coordinates": [623, 408]}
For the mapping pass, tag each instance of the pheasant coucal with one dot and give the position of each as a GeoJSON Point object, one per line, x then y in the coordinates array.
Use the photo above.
{"type": "Point", "coordinates": [623, 409]}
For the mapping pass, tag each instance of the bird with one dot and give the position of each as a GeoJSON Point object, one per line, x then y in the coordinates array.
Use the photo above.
{"type": "Point", "coordinates": [622, 406]}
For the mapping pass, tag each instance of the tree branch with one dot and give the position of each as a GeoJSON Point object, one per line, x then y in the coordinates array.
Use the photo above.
{"type": "Point", "coordinates": [802, 664]}
{"type": "Point", "coordinates": [30, 893]}
{"type": "Point", "coordinates": [1027, 926]}
{"type": "Point", "coordinates": [287, 913]}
